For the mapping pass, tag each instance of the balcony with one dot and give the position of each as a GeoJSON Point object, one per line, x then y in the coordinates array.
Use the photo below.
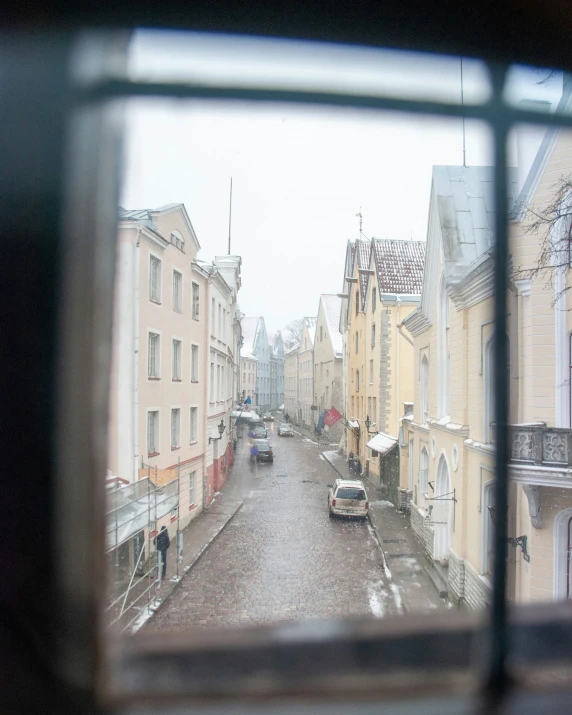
{"type": "Point", "coordinates": [541, 455]}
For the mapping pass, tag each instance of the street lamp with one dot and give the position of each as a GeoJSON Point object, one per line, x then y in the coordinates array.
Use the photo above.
{"type": "Point", "coordinates": [368, 425]}
{"type": "Point", "coordinates": [221, 429]}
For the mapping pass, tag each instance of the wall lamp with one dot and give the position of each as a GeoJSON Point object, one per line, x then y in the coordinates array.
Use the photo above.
{"type": "Point", "coordinates": [221, 429]}
{"type": "Point", "coordinates": [368, 425]}
{"type": "Point", "coordinates": [514, 541]}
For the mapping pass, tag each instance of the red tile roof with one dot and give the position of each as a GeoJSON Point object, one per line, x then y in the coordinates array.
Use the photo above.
{"type": "Point", "coordinates": [399, 265]}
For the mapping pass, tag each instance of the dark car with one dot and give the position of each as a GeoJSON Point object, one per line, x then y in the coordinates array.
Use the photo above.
{"type": "Point", "coordinates": [264, 451]}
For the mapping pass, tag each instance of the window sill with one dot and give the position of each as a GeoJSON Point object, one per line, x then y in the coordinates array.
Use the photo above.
{"type": "Point", "coordinates": [157, 302]}
{"type": "Point", "coordinates": [177, 379]}
{"type": "Point", "coordinates": [174, 449]}
{"type": "Point", "coordinates": [192, 506]}
{"type": "Point", "coordinates": [196, 441]}
{"type": "Point", "coordinates": [194, 382]}
{"type": "Point", "coordinates": [154, 379]}
{"type": "Point", "coordinates": [177, 310]}
{"type": "Point", "coordinates": [153, 454]}
{"type": "Point", "coordinates": [197, 319]}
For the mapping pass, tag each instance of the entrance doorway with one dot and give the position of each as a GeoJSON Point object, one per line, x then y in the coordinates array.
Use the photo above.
{"type": "Point", "coordinates": [442, 511]}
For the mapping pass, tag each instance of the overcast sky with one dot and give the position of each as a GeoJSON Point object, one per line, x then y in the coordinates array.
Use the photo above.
{"type": "Point", "coordinates": [300, 175]}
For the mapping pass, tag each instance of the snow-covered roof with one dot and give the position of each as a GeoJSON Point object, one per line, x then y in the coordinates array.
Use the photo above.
{"type": "Point", "coordinates": [332, 309]}
{"type": "Point", "coordinates": [466, 204]}
{"type": "Point", "coordinates": [399, 265]}
{"type": "Point", "coordinates": [382, 442]}
{"type": "Point", "coordinates": [249, 326]}
{"type": "Point", "coordinates": [311, 323]}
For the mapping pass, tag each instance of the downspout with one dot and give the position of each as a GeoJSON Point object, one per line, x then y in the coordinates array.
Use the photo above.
{"type": "Point", "coordinates": [136, 280]}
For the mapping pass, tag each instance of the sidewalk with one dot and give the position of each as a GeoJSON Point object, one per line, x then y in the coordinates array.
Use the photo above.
{"type": "Point", "coordinates": [405, 561]}
{"type": "Point", "coordinates": [197, 537]}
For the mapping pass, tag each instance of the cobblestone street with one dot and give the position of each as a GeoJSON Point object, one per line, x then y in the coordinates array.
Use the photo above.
{"type": "Point", "coordinates": [282, 557]}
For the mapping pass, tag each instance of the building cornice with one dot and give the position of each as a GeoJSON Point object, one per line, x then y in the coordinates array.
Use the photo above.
{"type": "Point", "coordinates": [486, 449]}
{"type": "Point", "coordinates": [449, 427]}
{"type": "Point", "coordinates": [475, 285]}
{"type": "Point", "coordinates": [417, 322]}
{"type": "Point", "coordinates": [540, 475]}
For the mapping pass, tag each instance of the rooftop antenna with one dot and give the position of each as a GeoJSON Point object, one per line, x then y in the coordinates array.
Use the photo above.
{"type": "Point", "coordinates": [463, 106]}
{"type": "Point", "coordinates": [229, 215]}
{"type": "Point", "coordinates": [360, 221]}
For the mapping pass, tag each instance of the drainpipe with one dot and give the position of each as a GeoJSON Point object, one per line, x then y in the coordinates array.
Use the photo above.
{"type": "Point", "coordinates": [136, 280]}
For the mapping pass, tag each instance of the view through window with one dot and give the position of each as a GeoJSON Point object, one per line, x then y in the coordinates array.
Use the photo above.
{"type": "Point", "coordinates": [253, 477]}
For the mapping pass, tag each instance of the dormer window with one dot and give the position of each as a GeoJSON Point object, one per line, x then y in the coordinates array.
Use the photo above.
{"type": "Point", "coordinates": [177, 240]}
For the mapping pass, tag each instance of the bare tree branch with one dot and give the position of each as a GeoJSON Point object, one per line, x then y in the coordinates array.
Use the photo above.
{"type": "Point", "coordinates": [292, 333]}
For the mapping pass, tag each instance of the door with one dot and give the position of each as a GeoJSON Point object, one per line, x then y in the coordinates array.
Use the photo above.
{"type": "Point", "coordinates": [442, 511]}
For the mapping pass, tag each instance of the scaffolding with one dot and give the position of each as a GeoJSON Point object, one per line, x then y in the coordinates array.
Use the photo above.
{"type": "Point", "coordinates": [134, 579]}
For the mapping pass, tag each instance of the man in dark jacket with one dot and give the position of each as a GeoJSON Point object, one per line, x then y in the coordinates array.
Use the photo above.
{"type": "Point", "coordinates": [162, 543]}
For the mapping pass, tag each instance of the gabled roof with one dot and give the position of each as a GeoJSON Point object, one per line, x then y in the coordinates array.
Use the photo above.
{"type": "Point", "coordinates": [332, 306]}
{"type": "Point", "coordinates": [249, 327]}
{"type": "Point", "coordinates": [147, 217]}
{"type": "Point", "coordinates": [399, 265]}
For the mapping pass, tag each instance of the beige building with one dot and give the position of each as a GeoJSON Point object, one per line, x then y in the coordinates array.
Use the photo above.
{"type": "Point", "coordinates": [247, 375]}
{"type": "Point", "coordinates": [328, 360]}
{"type": "Point", "coordinates": [305, 400]}
{"type": "Point", "coordinates": [291, 382]}
{"type": "Point", "coordinates": [449, 453]}
{"type": "Point", "coordinates": [159, 379]}
{"type": "Point", "coordinates": [384, 287]}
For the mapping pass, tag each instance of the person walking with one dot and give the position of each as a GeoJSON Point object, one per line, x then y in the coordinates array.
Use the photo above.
{"type": "Point", "coordinates": [162, 542]}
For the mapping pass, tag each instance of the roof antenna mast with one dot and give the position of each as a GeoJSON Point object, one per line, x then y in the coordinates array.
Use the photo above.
{"type": "Point", "coordinates": [229, 215]}
{"type": "Point", "coordinates": [360, 222]}
{"type": "Point", "coordinates": [463, 106]}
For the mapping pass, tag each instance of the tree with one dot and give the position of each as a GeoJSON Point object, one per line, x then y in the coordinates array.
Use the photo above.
{"type": "Point", "coordinates": [292, 334]}
{"type": "Point", "coordinates": [554, 226]}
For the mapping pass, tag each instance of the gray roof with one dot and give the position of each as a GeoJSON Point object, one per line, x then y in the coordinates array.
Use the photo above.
{"type": "Point", "coordinates": [332, 309]}
{"type": "Point", "coordinates": [249, 327]}
{"type": "Point", "coordinates": [466, 205]}
{"type": "Point", "coordinates": [399, 265]}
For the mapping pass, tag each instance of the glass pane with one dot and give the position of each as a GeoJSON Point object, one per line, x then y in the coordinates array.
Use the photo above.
{"type": "Point", "coordinates": [223, 60]}
{"type": "Point", "coordinates": [540, 505]}
{"type": "Point", "coordinates": [538, 89]}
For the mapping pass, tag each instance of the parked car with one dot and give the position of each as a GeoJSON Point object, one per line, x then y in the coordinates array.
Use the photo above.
{"type": "Point", "coordinates": [347, 497]}
{"type": "Point", "coordinates": [265, 453]}
{"type": "Point", "coordinates": [285, 430]}
{"type": "Point", "coordinates": [260, 432]}
{"type": "Point", "coordinates": [268, 417]}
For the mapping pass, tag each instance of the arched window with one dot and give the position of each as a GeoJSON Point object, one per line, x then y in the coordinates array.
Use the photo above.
{"type": "Point", "coordinates": [444, 405]}
{"type": "Point", "coordinates": [562, 583]}
{"type": "Point", "coordinates": [177, 240]}
{"type": "Point", "coordinates": [424, 385]}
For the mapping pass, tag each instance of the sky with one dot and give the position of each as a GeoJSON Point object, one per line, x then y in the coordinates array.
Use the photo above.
{"type": "Point", "coordinates": [300, 175]}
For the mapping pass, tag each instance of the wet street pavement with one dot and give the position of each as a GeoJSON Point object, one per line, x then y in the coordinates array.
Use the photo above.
{"type": "Point", "coordinates": [282, 558]}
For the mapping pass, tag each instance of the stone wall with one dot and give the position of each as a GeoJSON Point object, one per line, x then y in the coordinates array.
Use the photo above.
{"type": "Point", "coordinates": [456, 578]}
{"type": "Point", "coordinates": [477, 591]}
{"type": "Point", "coordinates": [422, 528]}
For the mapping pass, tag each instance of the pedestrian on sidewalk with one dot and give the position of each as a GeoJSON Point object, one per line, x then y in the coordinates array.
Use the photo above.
{"type": "Point", "coordinates": [162, 542]}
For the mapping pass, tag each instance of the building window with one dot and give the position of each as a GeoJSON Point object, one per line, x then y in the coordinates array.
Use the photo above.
{"type": "Point", "coordinates": [213, 316]}
{"type": "Point", "coordinates": [192, 480]}
{"type": "Point", "coordinates": [219, 321]}
{"type": "Point", "coordinates": [175, 428]}
{"type": "Point", "coordinates": [424, 471]}
{"type": "Point", "coordinates": [152, 433]}
{"type": "Point", "coordinates": [212, 390]}
{"type": "Point", "coordinates": [357, 342]}
{"type": "Point", "coordinates": [353, 406]}
{"type": "Point", "coordinates": [194, 423]}
{"type": "Point", "coordinates": [357, 299]}
{"type": "Point", "coordinates": [194, 363]}
{"type": "Point", "coordinates": [424, 388]}
{"type": "Point", "coordinates": [374, 415]}
{"type": "Point", "coordinates": [154, 279]}
{"type": "Point", "coordinates": [371, 372]}
{"type": "Point", "coordinates": [321, 333]}
{"type": "Point", "coordinates": [488, 391]}
{"type": "Point", "coordinates": [195, 304]}
{"type": "Point", "coordinates": [177, 352]}
{"type": "Point", "coordinates": [369, 406]}
{"type": "Point", "coordinates": [177, 291]}
{"type": "Point", "coordinates": [489, 529]}
{"type": "Point", "coordinates": [153, 355]}
{"type": "Point", "coordinates": [217, 391]}
{"type": "Point", "coordinates": [373, 299]}
{"type": "Point", "coordinates": [357, 380]}
{"type": "Point", "coordinates": [373, 335]}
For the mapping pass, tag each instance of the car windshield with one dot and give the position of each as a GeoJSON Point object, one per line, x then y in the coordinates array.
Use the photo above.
{"type": "Point", "coordinates": [263, 446]}
{"type": "Point", "coordinates": [351, 493]}
{"type": "Point", "coordinates": [285, 426]}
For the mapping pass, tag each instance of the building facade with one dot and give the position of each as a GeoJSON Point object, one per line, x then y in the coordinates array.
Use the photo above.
{"type": "Point", "coordinates": [291, 383]}
{"type": "Point", "coordinates": [306, 405]}
{"type": "Point", "coordinates": [159, 378]}
{"type": "Point", "coordinates": [255, 343]}
{"type": "Point", "coordinates": [248, 377]}
{"type": "Point", "coordinates": [328, 361]}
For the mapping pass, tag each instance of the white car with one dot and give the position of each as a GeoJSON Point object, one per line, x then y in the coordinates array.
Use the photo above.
{"type": "Point", "coordinates": [347, 497]}
{"type": "Point", "coordinates": [285, 430]}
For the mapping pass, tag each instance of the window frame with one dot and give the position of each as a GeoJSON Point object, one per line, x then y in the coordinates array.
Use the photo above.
{"type": "Point", "coordinates": [161, 664]}
{"type": "Point", "coordinates": [176, 443]}
{"type": "Point", "coordinates": [155, 260]}
{"type": "Point", "coordinates": [177, 297]}
{"type": "Point", "coordinates": [176, 375]}
{"type": "Point", "coordinates": [156, 375]}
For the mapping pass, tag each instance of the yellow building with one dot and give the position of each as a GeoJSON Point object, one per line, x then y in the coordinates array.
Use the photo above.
{"type": "Point", "coordinates": [448, 458]}
{"type": "Point", "coordinates": [383, 289]}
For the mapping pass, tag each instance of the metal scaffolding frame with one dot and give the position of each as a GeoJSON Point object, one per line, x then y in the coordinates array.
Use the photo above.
{"type": "Point", "coordinates": [132, 516]}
